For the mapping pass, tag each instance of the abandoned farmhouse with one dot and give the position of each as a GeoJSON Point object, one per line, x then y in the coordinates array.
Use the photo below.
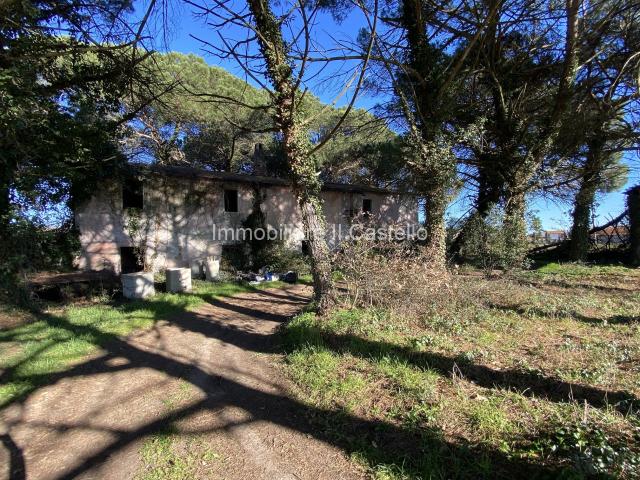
{"type": "Point", "coordinates": [171, 214]}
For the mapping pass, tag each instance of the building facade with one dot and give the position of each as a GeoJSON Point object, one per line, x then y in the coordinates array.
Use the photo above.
{"type": "Point", "coordinates": [166, 217]}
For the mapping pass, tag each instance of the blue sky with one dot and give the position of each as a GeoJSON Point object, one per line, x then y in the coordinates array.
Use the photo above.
{"type": "Point", "coordinates": [183, 25]}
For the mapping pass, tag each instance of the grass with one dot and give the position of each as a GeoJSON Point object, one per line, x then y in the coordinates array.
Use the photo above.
{"type": "Point", "coordinates": [530, 375]}
{"type": "Point", "coordinates": [172, 455]}
{"type": "Point", "coordinates": [581, 270]}
{"type": "Point", "coordinates": [54, 340]}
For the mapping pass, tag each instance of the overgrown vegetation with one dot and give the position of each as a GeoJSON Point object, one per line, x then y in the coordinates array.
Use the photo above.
{"type": "Point", "coordinates": [257, 252]}
{"type": "Point", "coordinates": [530, 375]}
{"type": "Point", "coordinates": [396, 275]}
{"type": "Point", "coordinates": [490, 243]}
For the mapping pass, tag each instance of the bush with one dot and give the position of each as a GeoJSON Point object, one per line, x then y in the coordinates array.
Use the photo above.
{"type": "Point", "coordinates": [30, 247]}
{"type": "Point", "coordinates": [393, 275]}
{"type": "Point", "coordinates": [253, 254]}
{"type": "Point", "coordinates": [489, 244]}
{"type": "Point", "coordinates": [235, 257]}
{"type": "Point", "coordinates": [282, 259]}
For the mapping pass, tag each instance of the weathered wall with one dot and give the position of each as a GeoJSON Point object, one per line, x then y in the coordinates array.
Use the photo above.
{"type": "Point", "coordinates": [177, 224]}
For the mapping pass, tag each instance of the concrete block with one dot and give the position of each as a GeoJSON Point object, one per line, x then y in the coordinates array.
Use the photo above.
{"type": "Point", "coordinates": [178, 279]}
{"type": "Point", "coordinates": [212, 268]}
{"type": "Point", "coordinates": [138, 285]}
{"type": "Point", "coordinates": [197, 269]}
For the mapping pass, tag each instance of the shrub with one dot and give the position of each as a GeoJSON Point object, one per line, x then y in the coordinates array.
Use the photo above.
{"type": "Point", "coordinates": [594, 452]}
{"type": "Point", "coordinates": [489, 244]}
{"type": "Point", "coordinates": [254, 253]}
{"type": "Point", "coordinates": [282, 259]}
{"type": "Point", "coordinates": [29, 247]}
{"type": "Point", "coordinates": [393, 275]}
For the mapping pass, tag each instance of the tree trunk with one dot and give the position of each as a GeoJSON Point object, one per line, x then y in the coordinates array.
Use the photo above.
{"type": "Point", "coordinates": [579, 241]}
{"type": "Point", "coordinates": [516, 169]}
{"type": "Point", "coordinates": [6, 177]}
{"type": "Point", "coordinates": [296, 146]}
{"type": "Point", "coordinates": [433, 177]}
{"type": "Point", "coordinates": [319, 251]}
{"type": "Point", "coordinates": [435, 206]}
{"type": "Point", "coordinates": [488, 195]}
{"type": "Point", "coordinates": [8, 264]}
{"type": "Point", "coordinates": [515, 226]}
{"type": "Point", "coordinates": [633, 206]}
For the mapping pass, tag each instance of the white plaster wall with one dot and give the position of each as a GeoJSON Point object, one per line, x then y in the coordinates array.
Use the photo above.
{"type": "Point", "coordinates": [282, 213]}
{"type": "Point", "coordinates": [180, 215]}
{"type": "Point", "coordinates": [386, 210]}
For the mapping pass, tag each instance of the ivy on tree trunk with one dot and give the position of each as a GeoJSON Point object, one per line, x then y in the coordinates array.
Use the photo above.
{"type": "Point", "coordinates": [296, 146]}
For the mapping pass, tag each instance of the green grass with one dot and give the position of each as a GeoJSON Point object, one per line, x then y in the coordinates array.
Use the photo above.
{"type": "Point", "coordinates": [171, 455]}
{"type": "Point", "coordinates": [470, 387]}
{"type": "Point", "coordinates": [55, 340]}
{"type": "Point", "coordinates": [581, 270]}
{"type": "Point", "coordinates": [168, 455]}
{"type": "Point", "coordinates": [321, 371]}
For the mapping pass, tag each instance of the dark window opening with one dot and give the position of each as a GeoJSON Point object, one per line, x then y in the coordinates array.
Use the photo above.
{"type": "Point", "coordinates": [130, 261]}
{"type": "Point", "coordinates": [367, 206]}
{"type": "Point", "coordinates": [230, 200]}
{"type": "Point", "coordinates": [132, 196]}
{"type": "Point", "coordinates": [306, 248]}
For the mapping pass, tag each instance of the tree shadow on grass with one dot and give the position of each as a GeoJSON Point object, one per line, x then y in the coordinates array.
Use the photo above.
{"type": "Point", "coordinates": [573, 284]}
{"type": "Point", "coordinates": [540, 312]}
{"type": "Point", "coordinates": [418, 451]}
{"type": "Point", "coordinates": [528, 383]}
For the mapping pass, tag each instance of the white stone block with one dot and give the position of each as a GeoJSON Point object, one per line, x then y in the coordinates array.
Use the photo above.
{"type": "Point", "coordinates": [178, 279]}
{"type": "Point", "coordinates": [212, 268]}
{"type": "Point", "coordinates": [138, 285]}
{"type": "Point", "coordinates": [197, 269]}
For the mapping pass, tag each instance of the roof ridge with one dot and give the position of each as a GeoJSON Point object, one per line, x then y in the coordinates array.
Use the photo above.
{"type": "Point", "coordinates": [187, 171]}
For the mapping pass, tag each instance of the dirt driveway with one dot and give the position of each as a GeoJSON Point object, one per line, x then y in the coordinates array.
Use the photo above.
{"type": "Point", "coordinates": [197, 397]}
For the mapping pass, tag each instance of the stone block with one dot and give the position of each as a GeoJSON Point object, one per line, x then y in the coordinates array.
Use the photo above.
{"type": "Point", "coordinates": [212, 268]}
{"type": "Point", "coordinates": [138, 285]}
{"type": "Point", "coordinates": [178, 279]}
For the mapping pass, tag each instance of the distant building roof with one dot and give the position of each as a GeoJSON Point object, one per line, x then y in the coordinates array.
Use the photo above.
{"type": "Point", "coordinates": [190, 172]}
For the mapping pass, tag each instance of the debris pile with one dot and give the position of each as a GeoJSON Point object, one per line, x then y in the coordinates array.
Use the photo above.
{"type": "Point", "coordinates": [266, 275]}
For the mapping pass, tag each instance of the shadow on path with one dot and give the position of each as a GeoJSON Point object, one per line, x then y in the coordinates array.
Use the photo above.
{"type": "Point", "coordinates": [378, 441]}
{"type": "Point", "coordinates": [16, 459]}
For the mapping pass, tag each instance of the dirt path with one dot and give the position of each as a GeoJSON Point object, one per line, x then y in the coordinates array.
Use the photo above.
{"type": "Point", "coordinates": [207, 378]}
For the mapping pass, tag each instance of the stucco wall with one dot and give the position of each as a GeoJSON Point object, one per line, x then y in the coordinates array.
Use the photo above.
{"type": "Point", "coordinates": [179, 216]}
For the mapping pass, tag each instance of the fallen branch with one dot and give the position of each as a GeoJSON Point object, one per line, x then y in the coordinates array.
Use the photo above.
{"type": "Point", "coordinates": [600, 228]}
{"type": "Point", "coordinates": [610, 223]}
{"type": "Point", "coordinates": [548, 246]}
